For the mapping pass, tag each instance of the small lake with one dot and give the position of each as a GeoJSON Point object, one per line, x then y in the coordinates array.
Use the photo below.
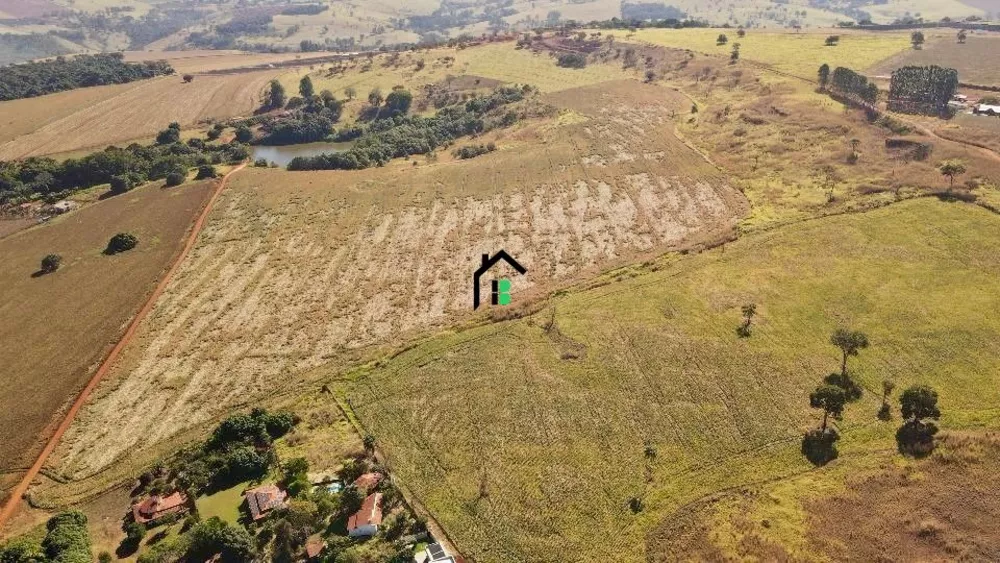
{"type": "Point", "coordinates": [284, 154]}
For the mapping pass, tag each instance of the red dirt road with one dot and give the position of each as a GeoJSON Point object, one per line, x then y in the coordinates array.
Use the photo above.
{"type": "Point", "coordinates": [22, 487]}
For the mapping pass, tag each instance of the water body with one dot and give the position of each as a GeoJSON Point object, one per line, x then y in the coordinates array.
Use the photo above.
{"type": "Point", "coordinates": [284, 154]}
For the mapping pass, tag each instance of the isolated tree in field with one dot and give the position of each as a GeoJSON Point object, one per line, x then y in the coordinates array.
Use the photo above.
{"type": "Point", "coordinates": [855, 143]}
{"type": "Point", "coordinates": [721, 39]}
{"type": "Point", "coordinates": [741, 33]}
{"type": "Point", "coordinates": [188, 78]}
{"type": "Point", "coordinates": [306, 89]}
{"type": "Point", "coordinates": [175, 179]}
{"type": "Point", "coordinates": [950, 169]}
{"type": "Point", "coordinates": [917, 38]}
{"type": "Point", "coordinates": [831, 399]}
{"type": "Point", "coordinates": [650, 76]}
{"type": "Point", "coordinates": [735, 54]}
{"type": "Point", "coordinates": [885, 412]}
{"type": "Point", "coordinates": [824, 76]}
{"type": "Point", "coordinates": [832, 40]}
{"type": "Point", "coordinates": [121, 243]}
{"type": "Point", "coordinates": [850, 342]}
{"type": "Point", "coordinates": [375, 97]}
{"type": "Point", "coordinates": [51, 263]}
{"type": "Point", "coordinates": [275, 96]}
{"type": "Point", "coordinates": [350, 92]}
{"type": "Point", "coordinates": [962, 36]}
{"type": "Point", "coordinates": [369, 443]}
{"type": "Point", "coordinates": [916, 436]}
{"type": "Point", "coordinates": [399, 101]}
{"type": "Point", "coordinates": [749, 311]}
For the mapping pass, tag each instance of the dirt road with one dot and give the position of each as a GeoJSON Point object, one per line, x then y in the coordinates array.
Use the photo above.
{"type": "Point", "coordinates": [22, 487]}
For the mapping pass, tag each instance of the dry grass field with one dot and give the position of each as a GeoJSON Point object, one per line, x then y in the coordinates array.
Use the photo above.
{"type": "Point", "coordinates": [198, 61]}
{"type": "Point", "coordinates": [526, 439]}
{"type": "Point", "coordinates": [98, 117]}
{"type": "Point", "coordinates": [800, 54]}
{"type": "Point", "coordinates": [56, 327]}
{"type": "Point", "coordinates": [297, 269]}
{"type": "Point", "coordinates": [975, 60]}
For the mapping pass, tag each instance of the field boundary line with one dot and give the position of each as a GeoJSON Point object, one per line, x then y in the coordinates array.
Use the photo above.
{"type": "Point", "coordinates": [18, 492]}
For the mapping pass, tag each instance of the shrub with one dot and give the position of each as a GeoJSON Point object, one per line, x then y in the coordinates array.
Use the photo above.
{"type": "Point", "coordinates": [121, 242]}
{"type": "Point", "coordinates": [175, 179]}
{"type": "Point", "coordinates": [206, 171]}
{"type": "Point", "coordinates": [572, 60]}
{"type": "Point", "coordinates": [244, 134]}
{"type": "Point", "coordinates": [67, 540]}
{"type": "Point", "coordinates": [261, 163]}
{"type": "Point", "coordinates": [51, 263]}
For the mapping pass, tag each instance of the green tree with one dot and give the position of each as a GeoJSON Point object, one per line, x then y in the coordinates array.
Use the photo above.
{"type": "Point", "coordinates": [832, 40]}
{"type": "Point", "coordinates": [121, 242]}
{"type": "Point", "coordinates": [215, 132]}
{"type": "Point", "coordinates": [350, 500]}
{"type": "Point", "coordinates": [350, 92]}
{"type": "Point", "coordinates": [735, 55]}
{"type": "Point", "coordinates": [213, 536]}
{"type": "Point", "coordinates": [369, 443]}
{"type": "Point", "coordinates": [884, 412]}
{"type": "Point", "coordinates": [950, 169]}
{"type": "Point", "coordinates": [67, 540]}
{"type": "Point", "coordinates": [917, 38]}
{"type": "Point", "coordinates": [916, 436]}
{"type": "Point", "coordinates": [962, 35]}
{"type": "Point", "coordinates": [306, 89]}
{"type": "Point", "coordinates": [244, 134]}
{"type": "Point", "coordinates": [850, 344]}
{"type": "Point", "coordinates": [51, 263]}
{"type": "Point", "coordinates": [721, 39]}
{"type": "Point", "coordinates": [820, 446]}
{"type": "Point", "coordinates": [170, 135]}
{"type": "Point", "coordinates": [206, 171]}
{"type": "Point", "coordinates": [824, 76]}
{"type": "Point", "coordinates": [749, 312]}
{"type": "Point", "coordinates": [175, 179]}
{"type": "Point", "coordinates": [375, 97]}
{"type": "Point", "coordinates": [398, 102]}
{"type": "Point", "coordinates": [275, 96]}
{"type": "Point", "coordinates": [852, 391]}
{"type": "Point", "coordinates": [831, 399]}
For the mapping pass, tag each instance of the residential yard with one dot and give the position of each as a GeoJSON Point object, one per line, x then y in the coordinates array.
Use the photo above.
{"type": "Point", "coordinates": [225, 504]}
{"type": "Point", "coordinates": [552, 423]}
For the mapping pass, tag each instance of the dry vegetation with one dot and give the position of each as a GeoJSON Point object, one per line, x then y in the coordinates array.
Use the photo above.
{"type": "Point", "coordinates": [57, 326]}
{"type": "Point", "coordinates": [975, 60]}
{"type": "Point", "coordinates": [295, 269]}
{"type": "Point", "coordinates": [868, 507]}
{"type": "Point", "coordinates": [559, 440]}
{"type": "Point", "coordinates": [98, 117]}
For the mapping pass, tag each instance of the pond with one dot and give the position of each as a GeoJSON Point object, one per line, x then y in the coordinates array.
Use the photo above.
{"type": "Point", "coordinates": [284, 154]}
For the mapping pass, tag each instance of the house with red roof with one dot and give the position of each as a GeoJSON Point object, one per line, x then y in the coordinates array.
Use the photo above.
{"type": "Point", "coordinates": [156, 507]}
{"type": "Point", "coordinates": [264, 499]}
{"type": "Point", "coordinates": [367, 481]}
{"type": "Point", "coordinates": [367, 519]}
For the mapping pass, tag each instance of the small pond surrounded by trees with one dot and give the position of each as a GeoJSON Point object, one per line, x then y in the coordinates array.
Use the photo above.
{"type": "Point", "coordinates": [282, 155]}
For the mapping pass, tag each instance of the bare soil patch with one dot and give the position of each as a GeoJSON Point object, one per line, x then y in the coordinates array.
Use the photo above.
{"type": "Point", "coordinates": [28, 8]}
{"type": "Point", "coordinates": [57, 326]}
{"type": "Point", "coordinates": [975, 60]}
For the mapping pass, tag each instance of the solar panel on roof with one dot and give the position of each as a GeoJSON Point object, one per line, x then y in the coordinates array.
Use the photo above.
{"type": "Point", "coordinates": [436, 551]}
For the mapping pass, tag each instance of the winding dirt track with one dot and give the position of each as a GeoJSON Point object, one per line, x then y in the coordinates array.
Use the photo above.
{"type": "Point", "coordinates": [22, 487]}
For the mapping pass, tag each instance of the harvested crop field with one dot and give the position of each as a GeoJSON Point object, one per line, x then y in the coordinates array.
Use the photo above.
{"type": "Point", "coordinates": [527, 439]}
{"type": "Point", "coordinates": [58, 326]}
{"type": "Point", "coordinates": [975, 60]}
{"type": "Point", "coordinates": [297, 269]}
{"type": "Point", "coordinates": [117, 114]}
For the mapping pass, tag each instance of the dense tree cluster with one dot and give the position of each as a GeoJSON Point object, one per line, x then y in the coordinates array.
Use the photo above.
{"type": "Point", "coordinates": [39, 78]}
{"type": "Point", "coordinates": [572, 60]}
{"type": "Point", "coordinates": [66, 541]}
{"type": "Point", "coordinates": [123, 168]}
{"type": "Point", "coordinates": [304, 9]}
{"type": "Point", "coordinates": [628, 23]}
{"type": "Point", "coordinates": [922, 89]}
{"type": "Point", "coordinates": [855, 87]}
{"type": "Point", "coordinates": [403, 135]}
{"type": "Point", "coordinates": [647, 11]}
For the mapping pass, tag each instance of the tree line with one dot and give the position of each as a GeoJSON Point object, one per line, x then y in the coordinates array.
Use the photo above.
{"type": "Point", "coordinates": [39, 78]}
{"type": "Point", "coordinates": [403, 135]}
{"type": "Point", "coordinates": [122, 168]}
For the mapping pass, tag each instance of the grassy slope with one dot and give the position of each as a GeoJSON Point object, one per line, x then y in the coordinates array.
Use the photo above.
{"type": "Point", "coordinates": [800, 54]}
{"type": "Point", "coordinates": [561, 442]}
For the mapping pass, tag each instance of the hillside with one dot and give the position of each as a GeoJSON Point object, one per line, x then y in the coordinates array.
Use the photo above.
{"type": "Point", "coordinates": [558, 437]}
